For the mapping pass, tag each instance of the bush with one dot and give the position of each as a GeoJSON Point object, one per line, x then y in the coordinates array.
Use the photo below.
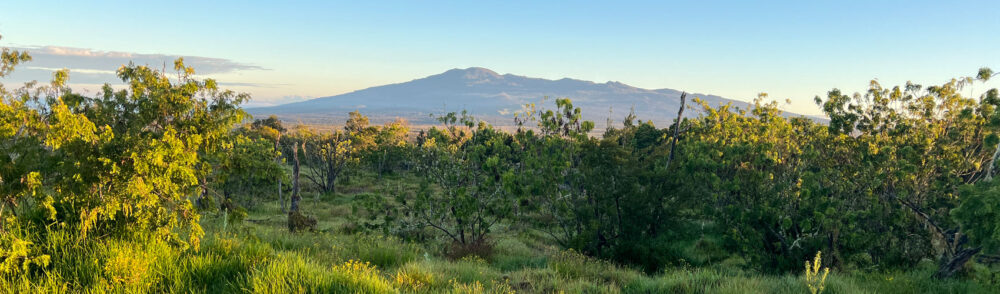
{"type": "Point", "coordinates": [298, 222]}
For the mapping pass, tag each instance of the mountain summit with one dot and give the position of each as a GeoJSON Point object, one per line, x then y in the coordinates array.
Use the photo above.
{"type": "Point", "coordinates": [490, 96]}
{"type": "Point", "coordinates": [473, 73]}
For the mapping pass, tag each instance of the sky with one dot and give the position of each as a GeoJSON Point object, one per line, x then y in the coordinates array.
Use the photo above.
{"type": "Point", "coordinates": [286, 51]}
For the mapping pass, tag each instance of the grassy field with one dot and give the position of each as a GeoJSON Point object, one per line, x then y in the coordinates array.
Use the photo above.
{"type": "Point", "coordinates": [260, 255]}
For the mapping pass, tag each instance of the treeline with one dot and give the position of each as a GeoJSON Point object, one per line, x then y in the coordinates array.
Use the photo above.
{"type": "Point", "coordinates": [898, 175]}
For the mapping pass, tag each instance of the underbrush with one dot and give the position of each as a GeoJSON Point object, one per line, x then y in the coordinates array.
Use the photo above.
{"type": "Point", "coordinates": [253, 260]}
{"type": "Point", "coordinates": [260, 255]}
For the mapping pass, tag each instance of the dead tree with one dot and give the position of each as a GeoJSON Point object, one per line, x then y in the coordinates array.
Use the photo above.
{"type": "Point", "coordinates": [295, 180]}
{"type": "Point", "coordinates": [297, 221]}
{"type": "Point", "coordinates": [677, 128]}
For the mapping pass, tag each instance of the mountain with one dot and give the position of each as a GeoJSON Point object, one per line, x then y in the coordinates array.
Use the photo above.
{"type": "Point", "coordinates": [491, 97]}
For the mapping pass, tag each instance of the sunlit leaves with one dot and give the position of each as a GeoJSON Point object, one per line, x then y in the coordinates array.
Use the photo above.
{"type": "Point", "coordinates": [122, 163]}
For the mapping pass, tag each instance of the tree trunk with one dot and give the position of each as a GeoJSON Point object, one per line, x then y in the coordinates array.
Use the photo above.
{"type": "Point", "coordinates": [677, 128]}
{"type": "Point", "coordinates": [957, 254]}
{"type": "Point", "coordinates": [330, 172]}
{"type": "Point", "coordinates": [295, 180]}
{"type": "Point", "coordinates": [835, 259]}
{"type": "Point", "coordinates": [204, 193]}
{"type": "Point", "coordinates": [956, 262]}
{"type": "Point", "coordinates": [460, 225]}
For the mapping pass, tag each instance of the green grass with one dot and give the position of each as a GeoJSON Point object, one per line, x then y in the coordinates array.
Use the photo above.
{"type": "Point", "coordinates": [259, 255]}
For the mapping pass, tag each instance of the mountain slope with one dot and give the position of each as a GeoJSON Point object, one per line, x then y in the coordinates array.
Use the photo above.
{"type": "Point", "coordinates": [492, 97]}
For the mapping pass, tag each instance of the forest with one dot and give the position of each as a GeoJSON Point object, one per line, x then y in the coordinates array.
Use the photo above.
{"type": "Point", "coordinates": [163, 183]}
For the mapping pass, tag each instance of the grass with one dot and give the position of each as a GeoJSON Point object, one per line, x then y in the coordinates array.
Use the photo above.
{"type": "Point", "coordinates": [259, 255]}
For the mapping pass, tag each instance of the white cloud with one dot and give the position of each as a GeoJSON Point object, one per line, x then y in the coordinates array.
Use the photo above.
{"type": "Point", "coordinates": [81, 58]}
{"type": "Point", "coordinates": [57, 50]}
{"type": "Point", "coordinates": [88, 66]}
{"type": "Point", "coordinates": [75, 70]}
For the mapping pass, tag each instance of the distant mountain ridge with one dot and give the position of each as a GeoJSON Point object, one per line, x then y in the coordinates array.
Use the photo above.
{"type": "Point", "coordinates": [492, 97]}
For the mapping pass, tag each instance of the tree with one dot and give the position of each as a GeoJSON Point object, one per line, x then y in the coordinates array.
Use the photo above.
{"type": "Point", "coordinates": [611, 197]}
{"type": "Point", "coordinates": [329, 155]}
{"type": "Point", "coordinates": [272, 129]}
{"type": "Point", "coordinates": [548, 175]}
{"type": "Point", "coordinates": [118, 164]}
{"type": "Point", "coordinates": [389, 147]}
{"type": "Point", "coordinates": [463, 195]}
{"type": "Point", "coordinates": [20, 180]}
{"type": "Point", "coordinates": [979, 212]}
{"type": "Point", "coordinates": [247, 167]}
{"type": "Point", "coordinates": [923, 145]}
{"type": "Point", "coordinates": [747, 167]}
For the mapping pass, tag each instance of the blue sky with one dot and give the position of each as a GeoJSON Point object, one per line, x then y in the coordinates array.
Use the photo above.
{"type": "Point", "coordinates": [295, 50]}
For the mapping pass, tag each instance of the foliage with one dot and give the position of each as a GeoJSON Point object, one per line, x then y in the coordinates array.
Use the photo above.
{"type": "Point", "coordinates": [299, 222]}
{"type": "Point", "coordinates": [245, 166]}
{"type": "Point", "coordinates": [390, 150]}
{"type": "Point", "coordinates": [921, 145]}
{"type": "Point", "coordinates": [330, 154]}
{"type": "Point", "coordinates": [121, 163]}
{"type": "Point", "coordinates": [604, 197]}
{"type": "Point", "coordinates": [979, 214]}
{"type": "Point", "coordinates": [469, 171]}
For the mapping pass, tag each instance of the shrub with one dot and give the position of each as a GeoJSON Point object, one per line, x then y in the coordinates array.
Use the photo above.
{"type": "Point", "coordinates": [298, 222]}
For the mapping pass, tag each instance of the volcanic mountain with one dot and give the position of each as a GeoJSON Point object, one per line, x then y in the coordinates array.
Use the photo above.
{"type": "Point", "coordinates": [492, 97]}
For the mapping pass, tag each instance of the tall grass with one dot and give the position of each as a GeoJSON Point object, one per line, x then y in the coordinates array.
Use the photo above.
{"type": "Point", "coordinates": [266, 261]}
{"type": "Point", "coordinates": [259, 255]}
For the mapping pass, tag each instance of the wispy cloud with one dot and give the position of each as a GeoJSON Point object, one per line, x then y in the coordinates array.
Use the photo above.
{"type": "Point", "coordinates": [81, 58]}
{"type": "Point", "coordinates": [88, 66]}
{"type": "Point", "coordinates": [75, 70]}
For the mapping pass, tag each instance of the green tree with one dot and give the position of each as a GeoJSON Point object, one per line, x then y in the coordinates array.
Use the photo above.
{"type": "Point", "coordinates": [329, 155]}
{"type": "Point", "coordinates": [246, 169]}
{"type": "Point", "coordinates": [272, 129]}
{"type": "Point", "coordinates": [463, 196]}
{"type": "Point", "coordinates": [390, 149]}
{"type": "Point", "coordinates": [122, 163]}
{"type": "Point", "coordinates": [922, 145]}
